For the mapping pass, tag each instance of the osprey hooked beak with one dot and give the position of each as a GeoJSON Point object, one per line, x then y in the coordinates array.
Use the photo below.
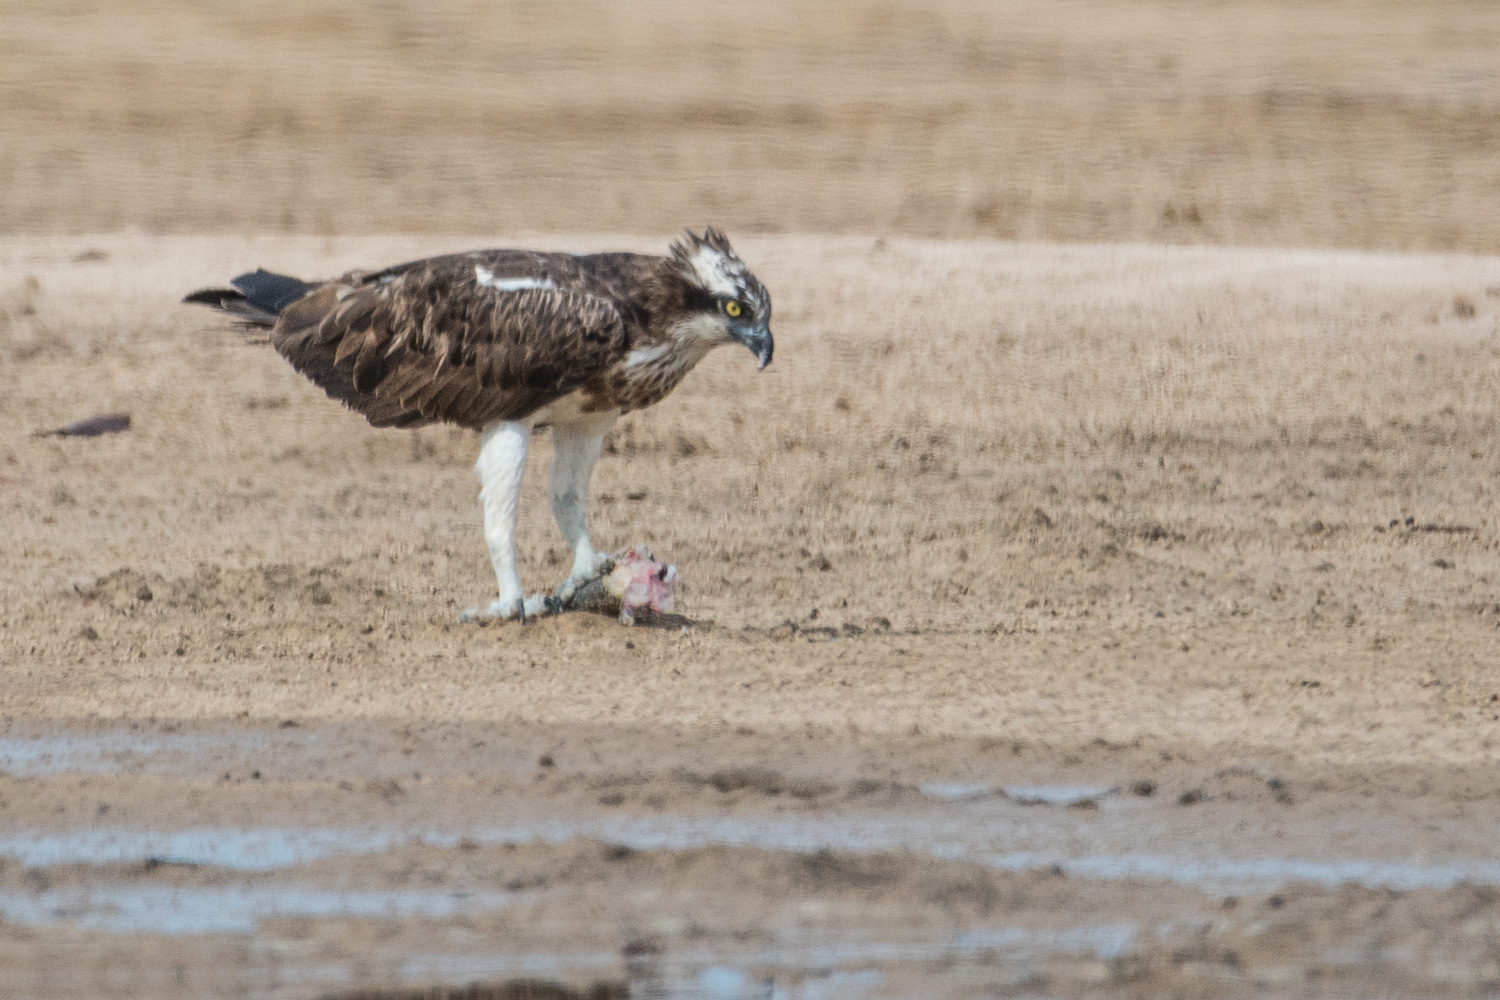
{"type": "Point", "coordinates": [759, 340]}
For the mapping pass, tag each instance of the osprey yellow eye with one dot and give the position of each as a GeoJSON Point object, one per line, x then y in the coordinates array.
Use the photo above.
{"type": "Point", "coordinates": [732, 308]}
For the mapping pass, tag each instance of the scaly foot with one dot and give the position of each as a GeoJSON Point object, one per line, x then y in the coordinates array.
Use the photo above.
{"type": "Point", "coordinates": [577, 580]}
{"type": "Point", "coordinates": [535, 606]}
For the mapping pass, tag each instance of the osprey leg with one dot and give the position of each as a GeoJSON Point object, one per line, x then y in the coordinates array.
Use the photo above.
{"type": "Point", "coordinates": [575, 449]}
{"type": "Point", "coordinates": [501, 464]}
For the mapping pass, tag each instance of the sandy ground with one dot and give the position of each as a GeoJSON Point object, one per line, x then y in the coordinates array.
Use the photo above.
{"type": "Point", "coordinates": [1150, 490]}
{"type": "Point", "coordinates": [1206, 533]}
{"type": "Point", "coordinates": [1056, 620]}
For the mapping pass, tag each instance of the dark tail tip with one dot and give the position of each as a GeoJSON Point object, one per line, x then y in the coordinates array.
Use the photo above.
{"type": "Point", "coordinates": [218, 298]}
{"type": "Point", "coordinates": [270, 292]}
{"type": "Point", "coordinates": [257, 298]}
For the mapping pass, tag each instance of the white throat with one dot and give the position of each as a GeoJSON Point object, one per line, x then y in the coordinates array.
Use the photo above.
{"type": "Point", "coordinates": [699, 334]}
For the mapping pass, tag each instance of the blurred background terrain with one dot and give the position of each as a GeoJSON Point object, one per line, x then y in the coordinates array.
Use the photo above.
{"type": "Point", "coordinates": [1276, 122]}
{"type": "Point", "coordinates": [1056, 619]}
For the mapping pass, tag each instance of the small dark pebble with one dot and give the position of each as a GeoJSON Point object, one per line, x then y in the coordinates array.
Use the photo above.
{"type": "Point", "coordinates": [389, 789]}
{"type": "Point", "coordinates": [545, 760]}
{"type": "Point", "coordinates": [1145, 788]}
{"type": "Point", "coordinates": [1190, 797]}
{"type": "Point", "coordinates": [1431, 527]}
{"type": "Point", "coordinates": [611, 799]}
{"type": "Point", "coordinates": [641, 946]}
{"type": "Point", "coordinates": [87, 632]}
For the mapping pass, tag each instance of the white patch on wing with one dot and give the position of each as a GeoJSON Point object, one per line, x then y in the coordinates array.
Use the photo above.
{"type": "Point", "coordinates": [485, 277]}
{"type": "Point", "coordinates": [716, 272]}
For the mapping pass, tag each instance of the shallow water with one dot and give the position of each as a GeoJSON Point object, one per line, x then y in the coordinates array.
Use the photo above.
{"type": "Point", "coordinates": [119, 751]}
{"type": "Point", "coordinates": [404, 886]}
{"type": "Point", "coordinates": [1058, 795]}
{"type": "Point", "coordinates": [811, 965]}
{"type": "Point", "coordinates": [1042, 795]}
{"type": "Point", "coordinates": [176, 911]}
{"type": "Point", "coordinates": [270, 849]}
{"type": "Point", "coordinates": [1219, 875]}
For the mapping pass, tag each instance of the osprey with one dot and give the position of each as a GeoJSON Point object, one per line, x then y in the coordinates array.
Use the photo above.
{"type": "Point", "coordinates": [505, 341]}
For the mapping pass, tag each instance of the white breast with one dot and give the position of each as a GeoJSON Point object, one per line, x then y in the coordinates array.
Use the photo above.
{"type": "Point", "coordinates": [569, 410]}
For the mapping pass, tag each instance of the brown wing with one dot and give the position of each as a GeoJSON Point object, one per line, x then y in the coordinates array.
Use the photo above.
{"type": "Point", "coordinates": [428, 342]}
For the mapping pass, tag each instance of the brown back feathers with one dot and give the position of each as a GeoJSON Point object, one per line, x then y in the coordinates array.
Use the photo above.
{"type": "Point", "coordinates": [430, 342]}
{"type": "Point", "coordinates": [473, 338]}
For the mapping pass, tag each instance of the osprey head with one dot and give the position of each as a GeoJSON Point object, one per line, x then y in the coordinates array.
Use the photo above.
{"type": "Point", "coordinates": [726, 291]}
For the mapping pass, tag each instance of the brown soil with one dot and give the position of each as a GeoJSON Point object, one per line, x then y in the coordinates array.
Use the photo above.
{"type": "Point", "coordinates": [1216, 521]}
{"type": "Point", "coordinates": [1205, 533]}
{"type": "Point", "coordinates": [1184, 474]}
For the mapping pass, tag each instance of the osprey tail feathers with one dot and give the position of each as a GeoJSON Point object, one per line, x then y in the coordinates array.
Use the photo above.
{"type": "Point", "coordinates": [257, 298]}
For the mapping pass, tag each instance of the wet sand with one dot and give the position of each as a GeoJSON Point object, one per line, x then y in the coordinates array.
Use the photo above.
{"type": "Point", "coordinates": [274, 861]}
{"type": "Point", "coordinates": [1054, 620]}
